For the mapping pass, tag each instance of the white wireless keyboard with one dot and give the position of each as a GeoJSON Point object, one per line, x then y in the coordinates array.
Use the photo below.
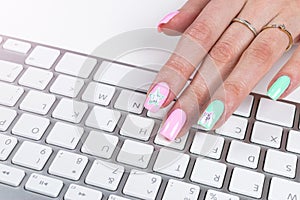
{"type": "Point", "coordinates": [73, 127]}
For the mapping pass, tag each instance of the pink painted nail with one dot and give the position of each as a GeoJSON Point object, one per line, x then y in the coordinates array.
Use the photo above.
{"type": "Point", "coordinates": [157, 97]}
{"type": "Point", "coordinates": [173, 124]}
{"type": "Point", "coordinates": [166, 19]}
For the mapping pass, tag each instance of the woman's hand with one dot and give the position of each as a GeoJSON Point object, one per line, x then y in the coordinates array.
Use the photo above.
{"type": "Point", "coordinates": [235, 55]}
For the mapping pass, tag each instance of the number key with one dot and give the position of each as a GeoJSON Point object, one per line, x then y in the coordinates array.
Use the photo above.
{"type": "Point", "coordinates": [7, 144]}
{"type": "Point", "coordinates": [142, 185]}
{"type": "Point", "coordinates": [32, 155]}
{"type": "Point", "coordinates": [68, 165]}
{"type": "Point", "coordinates": [180, 190]}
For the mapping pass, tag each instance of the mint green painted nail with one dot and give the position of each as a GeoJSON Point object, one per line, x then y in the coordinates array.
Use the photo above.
{"type": "Point", "coordinates": [212, 114]}
{"type": "Point", "coordinates": [279, 87]}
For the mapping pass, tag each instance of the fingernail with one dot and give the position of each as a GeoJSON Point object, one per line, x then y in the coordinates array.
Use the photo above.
{"type": "Point", "coordinates": [279, 87]}
{"type": "Point", "coordinates": [212, 114]}
{"type": "Point", "coordinates": [157, 97]}
{"type": "Point", "coordinates": [166, 19]}
{"type": "Point", "coordinates": [173, 124]}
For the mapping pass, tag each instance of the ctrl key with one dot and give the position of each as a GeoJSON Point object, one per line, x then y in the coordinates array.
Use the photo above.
{"type": "Point", "coordinates": [44, 185]}
{"type": "Point", "coordinates": [10, 175]}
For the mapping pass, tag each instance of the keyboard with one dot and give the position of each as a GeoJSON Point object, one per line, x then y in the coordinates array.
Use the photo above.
{"type": "Point", "coordinates": [73, 127]}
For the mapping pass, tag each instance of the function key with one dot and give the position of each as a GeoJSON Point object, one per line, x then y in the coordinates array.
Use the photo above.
{"type": "Point", "coordinates": [42, 57]}
{"type": "Point", "coordinates": [17, 46]}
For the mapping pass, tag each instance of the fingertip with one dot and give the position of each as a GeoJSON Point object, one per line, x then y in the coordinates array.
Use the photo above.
{"type": "Point", "coordinates": [278, 87]}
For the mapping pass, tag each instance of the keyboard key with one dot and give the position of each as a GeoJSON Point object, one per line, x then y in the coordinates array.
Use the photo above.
{"type": "Point", "coordinates": [135, 153]}
{"type": "Point", "coordinates": [32, 155]}
{"type": "Point", "coordinates": [207, 145]}
{"type": "Point", "coordinates": [180, 190]}
{"type": "Point", "coordinates": [17, 46]}
{"type": "Point", "coordinates": [209, 172]}
{"type": "Point", "coordinates": [70, 137]}
{"type": "Point", "coordinates": [31, 126]}
{"type": "Point", "coordinates": [293, 142]}
{"type": "Point", "coordinates": [105, 175]}
{"type": "Point", "coordinates": [244, 109]}
{"type": "Point", "coordinates": [114, 197]}
{"type": "Point", "coordinates": [99, 93]}
{"type": "Point", "coordinates": [253, 187]}
{"type": "Point", "coordinates": [276, 112]}
{"type": "Point", "coordinates": [42, 57]}
{"type": "Point", "coordinates": [171, 163]}
{"type": "Point", "coordinates": [243, 154]}
{"type": "Point", "coordinates": [100, 144]}
{"type": "Point", "coordinates": [6, 117]}
{"type": "Point", "coordinates": [7, 145]}
{"type": "Point", "coordinates": [161, 113]}
{"type": "Point", "coordinates": [67, 86]}
{"type": "Point", "coordinates": [234, 127]}
{"type": "Point", "coordinates": [142, 185]}
{"type": "Point", "coordinates": [10, 94]}
{"type": "Point", "coordinates": [77, 192]}
{"type": "Point", "coordinates": [124, 76]}
{"type": "Point", "coordinates": [131, 101]}
{"type": "Point", "coordinates": [137, 127]}
{"type": "Point", "coordinates": [36, 78]}
{"type": "Point", "coordinates": [70, 110]}
{"type": "Point", "coordinates": [10, 175]}
{"type": "Point", "coordinates": [44, 185]}
{"type": "Point", "coordinates": [281, 163]}
{"type": "Point", "coordinates": [103, 118]}
{"type": "Point", "coordinates": [178, 143]}
{"type": "Point", "coordinates": [37, 102]}
{"type": "Point", "coordinates": [284, 189]}
{"type": "Point", "coordinates": [9, 71]}
{"type": "Point", "coordinates": [266, 134]}
{"type": "Point", "coordinates": [68, 165]}
{"type": "Point", "coordinates": [216, 195]}
{"type": "Point", "coordinates": [76, 65]}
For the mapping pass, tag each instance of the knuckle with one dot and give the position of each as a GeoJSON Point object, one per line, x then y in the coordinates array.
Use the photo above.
{"type": "Point", "coordinates": [200, 31]}
{"type": "Point", "coordinates": [200, 91]}
{"type": "Point", "coordinates": [223, 52]}
{"type": "Point", "coordinates": [260, 52]}
{"type": "Point", "coordinates": [235, 88]}
{"type": "Point", "coordinates": [179, 65]}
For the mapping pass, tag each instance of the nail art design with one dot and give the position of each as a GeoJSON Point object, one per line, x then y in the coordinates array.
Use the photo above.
{"type": "Point", "coordinates": [157, 97]}
{"type": "Point", "coordinates": [166, 19]}
{"type": "Point", "coordinates": [212, 114]}
{"type": "Point", "coordinates": [173, 124]}
{"type": "Point", "coordinates": [279, 87]}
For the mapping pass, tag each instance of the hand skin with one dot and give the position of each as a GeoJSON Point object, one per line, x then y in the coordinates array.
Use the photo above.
{"type": "Point", "coordinates": [233, 59]}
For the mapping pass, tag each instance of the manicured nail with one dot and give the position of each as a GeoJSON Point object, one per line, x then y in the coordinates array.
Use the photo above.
{"type": "Point", "coordinates": [173, 124]}
{"type": "Point", "coordinates": [166, 19]}
{"type": "Point", "coordinates": [157, 97]}
{"type": "Point", "coordinates": [212, 114]}
{"type": "Point", "coordinates": [279, 87]}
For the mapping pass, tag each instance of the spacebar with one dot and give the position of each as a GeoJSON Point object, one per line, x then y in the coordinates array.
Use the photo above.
{"type": "Point", "coordinates": [124, 76]}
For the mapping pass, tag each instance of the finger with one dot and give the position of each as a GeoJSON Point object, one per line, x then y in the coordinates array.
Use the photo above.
{"type": "Point", "coordinates": [176, 22]}
{"type": "Point", "coordinates": [255, 62]}
{"type": "Point", "coordinates": [193, 46]}
{"type": "Point", "coordinates": [287, 79]}
{"type": "Point", "coordinates": [220, 62]}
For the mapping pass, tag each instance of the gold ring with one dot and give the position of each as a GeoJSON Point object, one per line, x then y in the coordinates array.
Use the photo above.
{"type": "Point", "coordinates": [247, 24]}
{"type": "Point", "coordinates": [283, 29]}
